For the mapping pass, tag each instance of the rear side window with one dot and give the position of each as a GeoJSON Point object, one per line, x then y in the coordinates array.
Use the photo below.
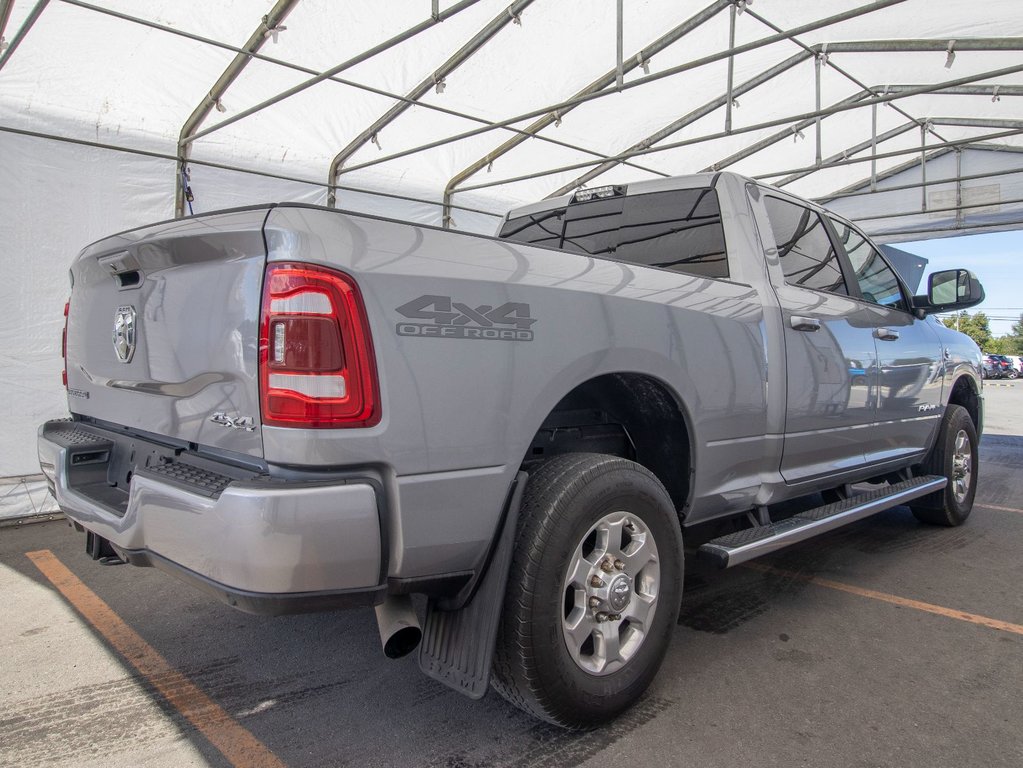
{"type": "Point", "coordinates": [808, 257]}
{"type": "Point", "coordinates": [679, 230]}
{"type": "Point", "coordinates": [877, 280]}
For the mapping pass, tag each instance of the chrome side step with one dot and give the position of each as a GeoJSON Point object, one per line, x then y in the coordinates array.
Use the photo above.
{"type": "Point", "coordinates": [741, 546]}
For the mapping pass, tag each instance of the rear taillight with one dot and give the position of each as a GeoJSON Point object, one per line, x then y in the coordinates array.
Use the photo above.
{"type": "Point", "coordinates": [63, 342]}
{"type": "Point", "coordinates": [316, 365]}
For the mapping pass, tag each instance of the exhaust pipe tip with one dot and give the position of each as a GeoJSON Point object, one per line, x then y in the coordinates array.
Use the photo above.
{"type": "Point", "coordinates": [400, 632]}
{"type": "Point", "coordinates": [402, 642]}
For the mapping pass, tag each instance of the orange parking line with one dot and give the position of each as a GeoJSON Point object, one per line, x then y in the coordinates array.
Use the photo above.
{"type": "Point", "coordinates": [239, 746]}
{"type": "Point", "coordinates": [905, 602]}
{"type": "Point", "coordinates": [1001, 509]}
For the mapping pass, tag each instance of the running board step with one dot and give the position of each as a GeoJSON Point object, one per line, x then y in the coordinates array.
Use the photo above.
{"type": "Point", "coordinates": [741, 546]}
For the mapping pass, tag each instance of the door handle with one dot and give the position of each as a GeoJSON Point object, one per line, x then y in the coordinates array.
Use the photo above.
{"type": "Point", "coordinates": [886, 334]}
{"type": "Point", "coordinates": [808, 324]}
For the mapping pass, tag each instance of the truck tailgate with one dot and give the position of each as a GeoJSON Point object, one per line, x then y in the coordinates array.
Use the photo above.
{"type": "Point", "coordinates": [163, 330]}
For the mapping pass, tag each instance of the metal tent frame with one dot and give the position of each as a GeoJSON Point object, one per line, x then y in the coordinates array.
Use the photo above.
{"type": "Point", "coordinates": [644, 155]}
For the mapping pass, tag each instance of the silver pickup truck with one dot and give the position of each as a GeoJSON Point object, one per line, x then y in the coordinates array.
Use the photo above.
{"type": "Point", "coordinates": [296, 408]}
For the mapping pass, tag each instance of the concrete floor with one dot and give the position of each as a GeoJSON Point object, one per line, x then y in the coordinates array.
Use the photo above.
{"type": "Point", "coordinates": [886, 643]}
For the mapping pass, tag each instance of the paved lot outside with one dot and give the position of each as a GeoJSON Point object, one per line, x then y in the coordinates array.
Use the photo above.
{"type": "Point", "coordinates": [886, 643]}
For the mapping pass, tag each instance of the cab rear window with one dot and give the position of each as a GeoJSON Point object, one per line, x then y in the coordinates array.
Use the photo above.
{"type": "Point", "coordinates": [679, 230]}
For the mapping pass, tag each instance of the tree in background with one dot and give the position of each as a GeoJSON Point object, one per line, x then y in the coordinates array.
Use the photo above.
{"type": "Point", "coordinates": [1013, 343]}
{"type": "Point", "coordinates": [1001, 346]}
{"type": "Point", "coordinates": [976, 326]}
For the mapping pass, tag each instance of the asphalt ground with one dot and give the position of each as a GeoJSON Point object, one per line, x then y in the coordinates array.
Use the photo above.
{"type": "Point", "coordinates": [885, 643]}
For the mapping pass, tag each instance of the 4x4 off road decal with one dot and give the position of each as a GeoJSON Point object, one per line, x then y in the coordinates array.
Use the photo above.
{"type": "Point", "coordinates": [453, 320]}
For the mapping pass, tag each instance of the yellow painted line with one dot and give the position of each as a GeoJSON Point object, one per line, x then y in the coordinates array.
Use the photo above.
{"type": "Point", "coordinates": [1001, 509]}
{"type": "Point", "coordinates": [239, 746]}
{"type": "Point", "coordinates": [905, 602]}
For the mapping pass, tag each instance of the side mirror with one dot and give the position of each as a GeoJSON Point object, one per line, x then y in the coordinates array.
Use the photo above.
{"type": "Point", "coordinates": [950, 289]}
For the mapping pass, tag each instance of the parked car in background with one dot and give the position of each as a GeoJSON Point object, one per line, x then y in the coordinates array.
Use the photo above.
{"type": "Point", "coordinates": [1009, 370]}
{"type": "Point", "coordinates": [998, 367]}
{"type": "Point", "coordinates": [992, 367]}
{"type": "Point", "coordinates": [1011, 366]}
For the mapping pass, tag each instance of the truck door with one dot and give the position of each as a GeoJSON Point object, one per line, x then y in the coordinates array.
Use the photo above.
{"type": "Point", "coordinates": [830, 358]}
{"type": "Point", "coordinates": [909, 355]}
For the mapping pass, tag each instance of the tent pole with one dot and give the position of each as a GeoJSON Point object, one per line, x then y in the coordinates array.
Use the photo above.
{"type": "Point", "coordinates": [731, 69]}
{"type": "Point", "coordinates": [870, 144]}
{"type": "Point", "coordinates": [641, 59]}
{"type": "Point", "coordinates": [923, 166]}
{"type": "Point", "coordinates": [700, 140]}
{"type": "Point", "coordinates": [889, 46]}
{"type": "Point", "coordinates": [30, 20]}
{"type": "Point", "coordinates": [752, 149]}
{"type": "Point", "coordinates": [971, 122]}
{"type": "Point", "coordinates": [322, 76]}
{"type": "Point", "coordinates": [6, 6]}
{"type": "Point", "coordinates": [843, 106]}
{"type": "Point", "coordinates": [435, 80]}
{"type": "Point", "coordinates": [619, 40]}
{"type": "Point", "coordinates": [227, 167]}
{"type": "Point", "coordinates": [966, 90]}
{"type": "Point", "coordinates": [317, 76]}
{"type": "Point", "coordinates": [682, 122]}
{"type": "Point", "coordinates": [959, 186]}
{"type": "Point", "coordinates": [873, 148]}
{"type": "Point", "coordinates": [638, 82]}
{"type": "Point", "coordinates": [276, 15]}
{"type": "Point", "coordinates": [817, 83]}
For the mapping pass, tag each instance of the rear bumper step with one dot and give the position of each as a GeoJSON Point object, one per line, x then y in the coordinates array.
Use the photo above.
{"type": "Point", "coordinates": [745, 545]}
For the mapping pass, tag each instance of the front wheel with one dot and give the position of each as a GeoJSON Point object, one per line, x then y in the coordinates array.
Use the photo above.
{"type": "Point", "coordinates": [955, 456]}
{"type": "Point", "coordinates": [593, 593]}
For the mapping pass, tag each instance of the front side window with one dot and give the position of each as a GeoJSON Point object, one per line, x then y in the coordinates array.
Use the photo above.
{"type": "Point", "coordinates": [878, 282]}
{"type": "Point", "coordinates": [679, 230]}
{"type": "Point", "coordinates": [808, 257]}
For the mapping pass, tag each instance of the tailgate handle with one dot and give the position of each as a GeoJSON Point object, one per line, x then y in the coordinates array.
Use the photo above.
{"type": "Point", "coordinates": [128, 279]}
{"type": "Point", "coordinates": [808, 324]}
{"type": "Point", "coordinates": [124, 268]}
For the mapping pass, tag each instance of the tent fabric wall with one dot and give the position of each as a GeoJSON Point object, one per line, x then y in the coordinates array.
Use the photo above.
{"type": "Point", "coordinates": [127, 75]}
{"type": "Point", "coordinates": [55, 199]}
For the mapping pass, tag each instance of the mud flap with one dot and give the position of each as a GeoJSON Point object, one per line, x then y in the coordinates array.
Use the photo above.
{"type": "Point", "coordinates": [458, 646]}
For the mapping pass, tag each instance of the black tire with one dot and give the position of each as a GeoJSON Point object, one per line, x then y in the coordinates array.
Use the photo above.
{"type": "Point", "coordinates": [951, 506]}
{"type": "Point", "coordinates": [533, 667]}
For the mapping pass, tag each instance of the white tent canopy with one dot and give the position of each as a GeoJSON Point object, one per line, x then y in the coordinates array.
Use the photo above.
{"type": "Point", "coordinates": [449, 113]}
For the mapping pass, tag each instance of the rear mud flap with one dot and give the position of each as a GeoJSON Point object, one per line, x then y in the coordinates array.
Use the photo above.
{"type": "Point", "coordinates": [458, 646]}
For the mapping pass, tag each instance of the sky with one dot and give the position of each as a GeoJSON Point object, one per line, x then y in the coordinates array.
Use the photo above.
{"type": "Point", "coordinates": [996, 258]}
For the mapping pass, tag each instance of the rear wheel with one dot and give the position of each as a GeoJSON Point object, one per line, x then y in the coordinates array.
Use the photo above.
{"type": "Point", "coordinates": [955, 456]}
{"type": "Point", "coordinates": [594, 590]}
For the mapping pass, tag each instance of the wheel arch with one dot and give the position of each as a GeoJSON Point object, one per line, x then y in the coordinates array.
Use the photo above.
{"type": "Point", "coordinates": [966, 393]}
{"type": "Point", "coordinates": [656, 428]}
